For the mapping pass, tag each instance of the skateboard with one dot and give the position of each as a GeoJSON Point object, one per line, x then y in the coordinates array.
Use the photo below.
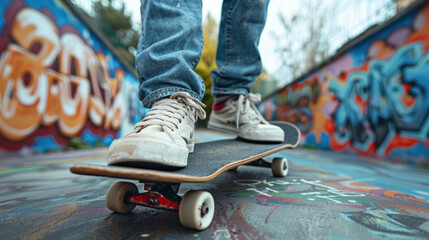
{"type": "Point", "coordinates": [209, 160]}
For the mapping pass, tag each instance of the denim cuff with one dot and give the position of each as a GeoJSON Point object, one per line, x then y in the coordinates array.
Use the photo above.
{"type": "Point", "coordinates": [149, 100]}
{"type": "Point", "coordinates": [229, 91]}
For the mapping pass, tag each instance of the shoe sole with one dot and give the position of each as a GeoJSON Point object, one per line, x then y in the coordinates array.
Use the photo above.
{"type": "Point", "coordinates": [152, 154]}
{"type": "Point", "coordinates": [228, 130]}
{"type": "Point", "coordinates": [211, 126]}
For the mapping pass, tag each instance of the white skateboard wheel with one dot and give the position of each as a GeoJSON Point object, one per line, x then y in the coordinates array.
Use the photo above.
{"type": "Point", "coordinates": [115, 198]}
{"type": "Point", "coordinates": [196, 210]}
{"type": "Point", "coordinates": [280, 167]}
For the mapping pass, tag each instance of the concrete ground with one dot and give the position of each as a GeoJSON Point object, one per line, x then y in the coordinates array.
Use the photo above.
{"type": "Point", "coordinates": [325, 196]}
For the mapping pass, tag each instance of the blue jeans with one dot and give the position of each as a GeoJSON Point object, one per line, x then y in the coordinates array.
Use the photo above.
{"type": "Point", "coordinates": [171, 44]}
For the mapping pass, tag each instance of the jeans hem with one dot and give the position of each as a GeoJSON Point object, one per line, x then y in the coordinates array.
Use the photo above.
{"type": "Point", "coordinates": [150, 99]}
{"type": "Point", "coordinates": [229, 91]}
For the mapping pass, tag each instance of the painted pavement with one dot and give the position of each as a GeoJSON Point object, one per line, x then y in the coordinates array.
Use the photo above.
{"type": "Point", "coordinates": [325, 196]}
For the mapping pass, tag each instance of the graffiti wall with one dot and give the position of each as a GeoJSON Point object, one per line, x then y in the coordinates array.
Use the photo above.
{"type": "Point", "coordinates": [59, 81]}
{"type": "Point", "coordinates": [372, 99]}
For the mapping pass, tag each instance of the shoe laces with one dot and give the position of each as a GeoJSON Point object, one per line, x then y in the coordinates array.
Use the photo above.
{"type": "Point", "coordinates": [246, 103]}
{"type": "Point", "coordinates": [171, 112]}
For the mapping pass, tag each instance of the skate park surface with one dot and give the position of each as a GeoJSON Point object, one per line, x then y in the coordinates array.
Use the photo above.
{"type": "Point", "coordinates": [326, 195]}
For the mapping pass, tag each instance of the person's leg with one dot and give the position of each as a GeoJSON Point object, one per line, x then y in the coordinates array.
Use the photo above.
{"type": "Point", "coordinates": [169, 49]}
{"type": "Point", "coordinates": [239, 64]}
{"type": "Point", "coordinates": [237, 57]}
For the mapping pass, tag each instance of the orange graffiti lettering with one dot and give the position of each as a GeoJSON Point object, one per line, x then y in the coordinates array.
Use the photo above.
{"type": "Point", "coordinates": [399, 195]}
{"type": "Point", "coordinates": [33, 93]}
{"type": "Point", "coordinates": [412, 209]}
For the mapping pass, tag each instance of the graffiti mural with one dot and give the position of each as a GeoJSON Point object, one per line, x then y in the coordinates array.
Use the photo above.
{"type": "Point", "coordinates": [58, 81]}
{"type": "Point", "coordinates": [373, 99]}
{"type": "Point", "coordinates": [375, 209]}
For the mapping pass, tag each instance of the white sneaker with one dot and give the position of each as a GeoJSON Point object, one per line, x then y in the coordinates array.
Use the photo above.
{"type": "Point", "coordinates": [163, 138]}
{"type": "Point", "coordinates": [240, 116]}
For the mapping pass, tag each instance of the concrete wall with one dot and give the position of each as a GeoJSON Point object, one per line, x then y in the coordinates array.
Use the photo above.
{"type": "Point", "coordinates": [371, 98]}
{"type": "Point", "coordinates": [59, 80]}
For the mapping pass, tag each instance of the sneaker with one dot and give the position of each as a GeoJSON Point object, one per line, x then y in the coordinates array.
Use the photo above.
{"type": "Point", "coordinates": [241, 117]}
{"type": "Point", "coordinates": [164, 138]}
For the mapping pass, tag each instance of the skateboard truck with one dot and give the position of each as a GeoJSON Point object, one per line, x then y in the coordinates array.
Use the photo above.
{"type": "Point", "coordinates": [279, 166]}
{"type": "Point", "coordinates": [157, 195]}
{"type": "Point", "coordinates": [196, 208]}
{"type": "Point", "coordinates": [260, 163]}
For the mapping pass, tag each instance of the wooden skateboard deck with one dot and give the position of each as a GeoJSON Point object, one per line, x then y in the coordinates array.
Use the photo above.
{"type": "Point", "coordinates": [208, 160]}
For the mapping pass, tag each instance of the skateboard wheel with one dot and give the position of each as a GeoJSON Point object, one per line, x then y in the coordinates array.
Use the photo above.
{"type": "Point", "coordinates": [196, 210]}
{"type": "Point", "coordinates": [280, 167]}
{"type": "Point", "coordinates": [115, 198]}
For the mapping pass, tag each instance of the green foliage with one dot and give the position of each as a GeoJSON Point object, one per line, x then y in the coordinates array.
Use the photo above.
{"type": "Point", "coordinates": [80, 144]}
{"type": "Point", "coordinates": [115, 24]}
{"type": "Point", "coordinates": [208, 61]}
{"type": "Point", "coordinates": [264, 84]}
{"type": "Point", "coordinates": [424, 165]}
{"type": "Point", "coordinates": [77, 144]}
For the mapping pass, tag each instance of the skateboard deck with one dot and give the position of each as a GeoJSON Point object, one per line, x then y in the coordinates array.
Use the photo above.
{"type": "Point", "coordinates": [208, 160]}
